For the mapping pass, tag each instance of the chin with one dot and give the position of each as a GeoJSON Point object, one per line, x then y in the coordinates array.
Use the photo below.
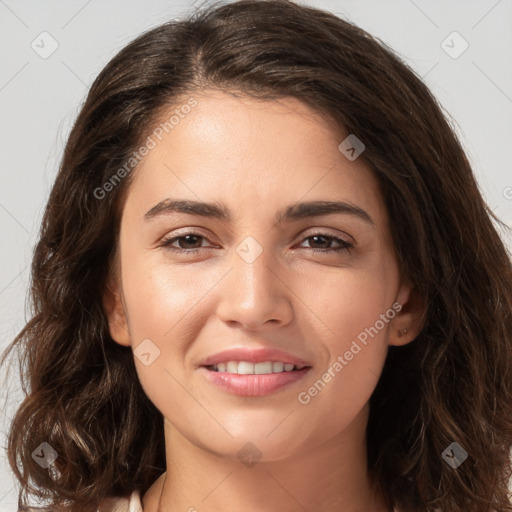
{"type": "Point", "coordinates": [250, 446]}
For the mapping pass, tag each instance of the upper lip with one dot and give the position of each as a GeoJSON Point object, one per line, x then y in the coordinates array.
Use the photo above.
{"type": "Point", "coordinates": [253, 356]}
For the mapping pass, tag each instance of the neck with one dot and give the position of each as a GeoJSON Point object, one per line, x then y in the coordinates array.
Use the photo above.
{"type": "Point", "coordinates": [331, 477]}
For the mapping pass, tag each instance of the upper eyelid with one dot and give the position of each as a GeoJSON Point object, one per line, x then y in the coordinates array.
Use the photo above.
{"type": "Point", "coordinates": [315, 230]}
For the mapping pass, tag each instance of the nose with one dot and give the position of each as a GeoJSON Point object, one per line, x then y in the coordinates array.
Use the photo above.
{"type": "Point", "coordinates": [255, 294]}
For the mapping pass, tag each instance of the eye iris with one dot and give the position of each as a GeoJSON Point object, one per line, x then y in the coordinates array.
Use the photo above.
{"type": "Point", "coordinates": [321, 237]}
{"type": "Point", "coordinates": [185, 240]}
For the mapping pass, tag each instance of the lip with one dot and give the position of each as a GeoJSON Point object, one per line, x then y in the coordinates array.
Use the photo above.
{"type": "Point", "coordinates": [259, 355]}
{"type": "Point", "coordinates": [253, 385]}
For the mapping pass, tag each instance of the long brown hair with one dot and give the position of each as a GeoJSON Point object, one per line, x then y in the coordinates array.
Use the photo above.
{"type": "Point", "coordinates": [453, 383]}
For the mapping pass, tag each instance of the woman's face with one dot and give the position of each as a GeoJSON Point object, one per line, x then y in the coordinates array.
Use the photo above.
{"type": "Point", "coordinates": [267, 267]}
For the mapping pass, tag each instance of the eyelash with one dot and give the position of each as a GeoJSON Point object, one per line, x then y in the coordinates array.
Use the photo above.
{"type": "Point", "coordinates": [166, 243]}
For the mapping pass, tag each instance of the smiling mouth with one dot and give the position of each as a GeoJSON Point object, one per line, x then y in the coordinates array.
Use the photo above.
{"type": "Point", "coordinates": [248, 368]}
{"type": "Point", "coordinates": [241, 378]}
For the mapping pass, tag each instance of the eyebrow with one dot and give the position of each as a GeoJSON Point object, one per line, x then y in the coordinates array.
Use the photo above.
{"type": "Point", "coordinates": [293, 212]}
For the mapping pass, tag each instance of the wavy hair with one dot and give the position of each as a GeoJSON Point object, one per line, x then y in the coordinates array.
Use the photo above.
{"type": "Point", "coordinates": [453, 383]}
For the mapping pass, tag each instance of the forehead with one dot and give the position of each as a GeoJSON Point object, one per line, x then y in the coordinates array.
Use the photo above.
{"type": "Point", "coordinates": [250, 153]}
{"type": "Point", "coordinates": [247, 131]}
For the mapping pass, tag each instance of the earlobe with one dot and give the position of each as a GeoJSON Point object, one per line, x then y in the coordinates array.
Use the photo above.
{"type": "Point", "coordinates": [116, 316]}
{"type": "Point", "coordinates": [409, 321]}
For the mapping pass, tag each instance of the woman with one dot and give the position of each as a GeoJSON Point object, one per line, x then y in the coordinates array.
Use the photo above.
{"type": "Point", "coordinates": [266, 278]}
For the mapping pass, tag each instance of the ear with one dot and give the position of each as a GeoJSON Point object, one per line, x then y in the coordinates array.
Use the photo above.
{"type": "Point", "coordinates": [410, 319]}
{"type": "Point", "coordinates": [115, 311]}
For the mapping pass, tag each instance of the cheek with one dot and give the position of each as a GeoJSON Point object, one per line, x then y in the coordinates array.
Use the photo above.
{"type": "Point", "coordinates": [356, 310]}
{"type": "Point", "coordinates": [161, 296]}
{"type": "Point", "coordinates": [337, 391]}
{"type": "Point", "coordinates": [348, 302]}
{"type": "Point", "coordinates": [167, 308]}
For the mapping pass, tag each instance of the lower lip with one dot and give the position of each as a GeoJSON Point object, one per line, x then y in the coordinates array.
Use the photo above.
{"type": "Point", "coordinates": [253, 385]}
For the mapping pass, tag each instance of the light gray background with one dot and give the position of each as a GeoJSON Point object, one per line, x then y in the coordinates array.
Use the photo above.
{"type": "Point", "coordinates": [39, 99]}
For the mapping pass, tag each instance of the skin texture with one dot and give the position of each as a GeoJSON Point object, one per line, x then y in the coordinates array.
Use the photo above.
{"type": "Point", "coordinates": [256, 158]}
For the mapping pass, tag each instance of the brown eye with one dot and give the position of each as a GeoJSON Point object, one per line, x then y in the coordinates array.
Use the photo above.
{"type": "Point", "coordinates": [326, 240]}
{"type": "Point", "coordinates": [189, 242]}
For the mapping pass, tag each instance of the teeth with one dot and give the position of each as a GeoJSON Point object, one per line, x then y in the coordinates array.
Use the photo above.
{"type": "Point", "coordinates": [232, 367]}
{"type": "Point", "coordinates": [247, 368]}
{"type": "Point", "coordinates": [263, 368]}
{"type": "Point", "coordinates": [277, 367]}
